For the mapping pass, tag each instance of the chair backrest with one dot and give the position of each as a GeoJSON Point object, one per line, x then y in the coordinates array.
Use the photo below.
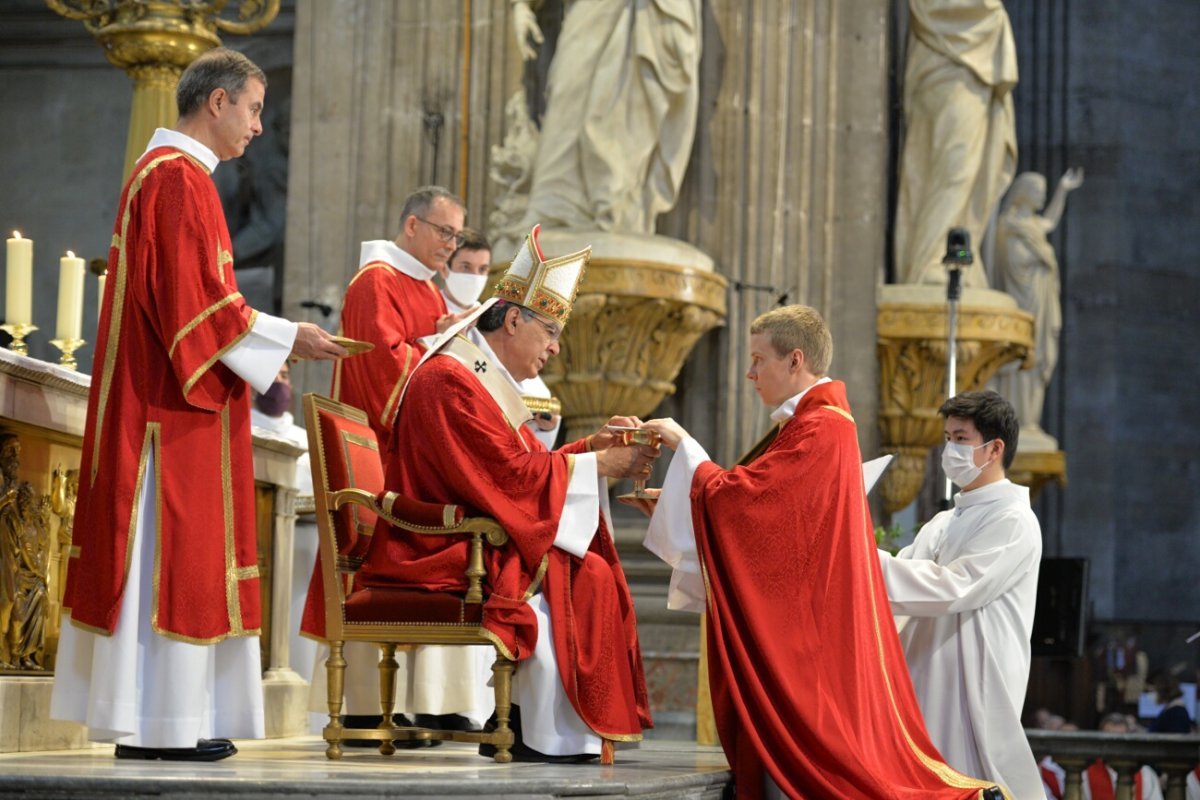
{"type": "Point", "coordinates": [345, 455]}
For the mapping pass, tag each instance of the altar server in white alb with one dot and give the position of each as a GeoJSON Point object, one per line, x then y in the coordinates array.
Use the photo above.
{"type": "Point", "coordinates": [967, 586]}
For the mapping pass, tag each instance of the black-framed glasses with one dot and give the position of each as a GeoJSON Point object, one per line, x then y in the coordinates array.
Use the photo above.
{"type": "Point", "coordinates": [446, 234]}
{"type": "Point", "coordinates": [551, 330]}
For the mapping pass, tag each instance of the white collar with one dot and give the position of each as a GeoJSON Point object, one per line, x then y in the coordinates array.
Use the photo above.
{"type": "Point", "coordinates": [989, 493]}
{"type": "Point", "coordinates": [788, 409]}
{"type": "Point", "coordinates": [165, 137]}
{"type": "Point", "coordinates": [392, 254]}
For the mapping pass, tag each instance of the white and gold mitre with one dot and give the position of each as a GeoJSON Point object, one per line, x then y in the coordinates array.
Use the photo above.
{"type": "Point", "coordinates": [545, 287]}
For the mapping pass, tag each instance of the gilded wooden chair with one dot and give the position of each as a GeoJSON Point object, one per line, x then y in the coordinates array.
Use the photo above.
{"type": "Point", "coordinates": [349, 494]}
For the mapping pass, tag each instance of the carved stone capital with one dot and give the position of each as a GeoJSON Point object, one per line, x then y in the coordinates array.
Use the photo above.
{"type": "Point", "coordinates": [642, 305]}
{"type": "Point", "coordinates": [912, 351]}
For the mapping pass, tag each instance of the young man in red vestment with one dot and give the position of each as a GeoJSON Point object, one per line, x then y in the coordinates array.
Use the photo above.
{"type": "Point", "coordinates": [162, 590]}
{"type": "Point", "coordinates": [809, 684]}
{"type": "Point", "coordinates": [558, 601]}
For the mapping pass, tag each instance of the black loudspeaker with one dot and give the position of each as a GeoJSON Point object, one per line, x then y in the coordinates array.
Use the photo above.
{"type": "Point", "coordinates": [1060, 619]}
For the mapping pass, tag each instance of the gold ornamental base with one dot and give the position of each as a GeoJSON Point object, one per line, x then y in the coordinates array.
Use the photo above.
{"type": "Point", "coordinates": [1036, 469]}
{"type": "Point", "coordinates": [18, 332]}
{"type": "Point", "coordinates": [912, 346]}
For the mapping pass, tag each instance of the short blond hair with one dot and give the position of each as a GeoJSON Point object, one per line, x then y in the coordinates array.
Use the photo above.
{"type": "Point", "coordinates": [798, 328]}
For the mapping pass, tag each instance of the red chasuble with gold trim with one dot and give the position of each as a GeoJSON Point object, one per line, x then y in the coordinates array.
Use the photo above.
{"type": "Point", "coordinates": [808, 679]}
{"type": "Point", "coordinates": [453, 444]}
{"type": "Point", "coordinates": [171, 309]}
{"type": "Point", "coordinates": [392, 310]}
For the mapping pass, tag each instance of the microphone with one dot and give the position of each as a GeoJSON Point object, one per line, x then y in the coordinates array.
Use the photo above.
{"type": "Point", "coordinates": [958, 255]}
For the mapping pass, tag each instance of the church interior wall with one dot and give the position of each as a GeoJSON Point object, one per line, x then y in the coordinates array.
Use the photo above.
{"type": "Point", "coordinates": [1106, 86]}
{"type": "Point", "coordinates": [1111, 87]}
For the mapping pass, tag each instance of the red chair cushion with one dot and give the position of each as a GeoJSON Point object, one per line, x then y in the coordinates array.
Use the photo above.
{"type": "Point", "coordinates": [385, 605]}
{"type": "Point", "coordinates": [420, 513]}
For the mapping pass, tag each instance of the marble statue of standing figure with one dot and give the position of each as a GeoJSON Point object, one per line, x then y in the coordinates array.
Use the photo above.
{"type": "Point", "coordinates": [621, 105]}
{"type": "Point", "coordinates": [1027, 268]}
{"type": "Point", "coordinates": [960, 146]}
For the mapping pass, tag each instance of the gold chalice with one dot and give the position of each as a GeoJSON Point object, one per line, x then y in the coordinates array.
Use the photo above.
{"type": "Point", "coordinates": [641, 497]}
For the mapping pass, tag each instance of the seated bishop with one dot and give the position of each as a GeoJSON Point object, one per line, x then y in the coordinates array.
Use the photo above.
{"type": "Point", "coordinates": [559, 604]}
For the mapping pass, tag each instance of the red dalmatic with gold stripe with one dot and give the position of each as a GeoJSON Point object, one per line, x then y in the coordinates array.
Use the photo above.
{"type": "Point", "coordinates": [169, 313]}
{"type": "Point", "coordinates": [392, 310]}
{"type": "Point", "coordinates": [809, 683]}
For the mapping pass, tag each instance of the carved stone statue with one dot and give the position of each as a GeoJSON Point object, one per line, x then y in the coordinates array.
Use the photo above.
{"type": "Point", "coordinates": [26, 633]}
{"type": "Point", "coordinates": [620, 112]}
{"type": "Point", "coordinates": [960, 149]}
{"type": "Point", "coordinates": [1027, 268]}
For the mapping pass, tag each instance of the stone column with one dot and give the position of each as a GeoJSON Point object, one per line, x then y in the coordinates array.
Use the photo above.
{"type": "Point", "coordinates": [787, 189]}
{"type": "Point", "coordinates": [377, 110]}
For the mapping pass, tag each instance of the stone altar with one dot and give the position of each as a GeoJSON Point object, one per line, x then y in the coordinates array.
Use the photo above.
{"type": "Point", "coordinates": [43, 406]}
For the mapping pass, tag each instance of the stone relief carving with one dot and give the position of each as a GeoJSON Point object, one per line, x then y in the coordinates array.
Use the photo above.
{"type": "Point", "coordinates": [620, 114]}
{"type": "Point", "coordinates": [512, 168]}
{"type": "Point", "coordinates": [1027, 269]}
{"type": "Point", "coordinates": [28, 605]}
{"type": "Point", "coordinates": [960, 148]}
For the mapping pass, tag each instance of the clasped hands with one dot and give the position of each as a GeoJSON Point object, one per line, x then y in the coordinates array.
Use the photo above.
{"type": "Point", "coordinates": [617, 454]}
{"type": "Point", "coordinates": [615, 437]}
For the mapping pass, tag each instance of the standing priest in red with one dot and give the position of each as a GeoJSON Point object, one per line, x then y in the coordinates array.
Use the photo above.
{"type": "Point", "coordinates": [559, 603]}
{"type": "Point", "coordinates": [392, 302]}
{"type": "Point", "coordinates": [162, 592]}
{"type": "Point", "coordinates": [809, 685]}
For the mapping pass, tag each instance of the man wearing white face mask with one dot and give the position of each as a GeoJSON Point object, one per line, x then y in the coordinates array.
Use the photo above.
{"type": "Point", "coordinates": [968, 584]}
{"type": "Point", "coordinates": [463, 280]}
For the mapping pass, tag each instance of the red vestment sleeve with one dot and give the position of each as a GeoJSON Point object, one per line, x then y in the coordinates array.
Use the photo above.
{"type": "Point", "coordinates": [808, 679]}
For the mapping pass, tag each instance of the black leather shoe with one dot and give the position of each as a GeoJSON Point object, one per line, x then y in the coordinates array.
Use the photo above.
{"type": "Point", "coordinates": [522, 752]}
{"type": "Point", "coordinates": [205, 750]}
{"type": "Point", "coordinates": [445, 722]}
{"type": "Point", "coordinates": [993, 793]}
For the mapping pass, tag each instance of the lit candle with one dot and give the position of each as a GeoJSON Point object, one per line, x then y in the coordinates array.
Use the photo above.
{"type": "Point", "coordinates": [18, 283]}
{"type": "Point", "coordinates": [70, 297]}
{"type": "Point", "coordinates": [102, 278]}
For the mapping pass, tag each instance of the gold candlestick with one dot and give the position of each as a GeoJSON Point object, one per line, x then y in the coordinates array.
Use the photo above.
{"type": "Point", "coordinates": [19, 331]}
{"type": "Point", "coordinates": [68, 348]}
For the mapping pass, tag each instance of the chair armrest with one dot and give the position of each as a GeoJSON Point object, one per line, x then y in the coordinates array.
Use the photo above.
{"type": "Point", "coordinates": [435, 519]}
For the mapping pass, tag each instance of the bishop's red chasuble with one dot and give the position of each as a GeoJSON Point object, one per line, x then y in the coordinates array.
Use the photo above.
{"type": "Point", "coordinates": [392, 310]}
{"type": "Point", "coordinates": [171, 310]}
{"type": "Point", "coordinates": [809, 683]}
{"type": "Point", "coordinates": [453, 444]}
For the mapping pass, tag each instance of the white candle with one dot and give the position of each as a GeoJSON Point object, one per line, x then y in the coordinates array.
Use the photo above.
{"type": "Point", "coordinates": [70, 297]}
{"type": "Point", "coordinates": [102, 278]}
{"type": "Point", "coordinates": [18, 283]}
